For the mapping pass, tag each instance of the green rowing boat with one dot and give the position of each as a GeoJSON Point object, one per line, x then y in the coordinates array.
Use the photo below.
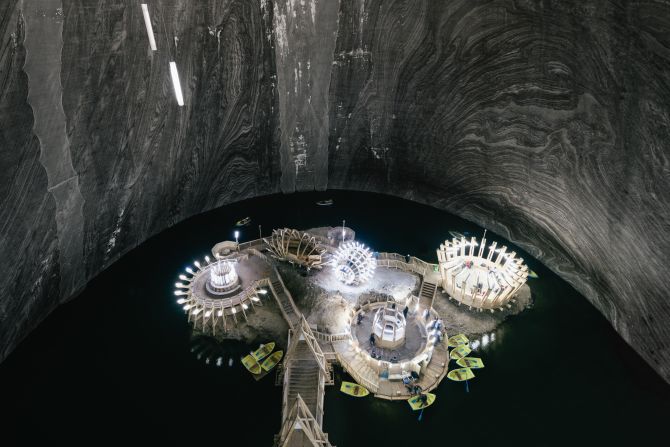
{"type": "Point", "coordinates": [461, 374]}
{"type": "Point", "coordinates": [460, 351]}
{"type": "Point", "coordinates": [471, 362]}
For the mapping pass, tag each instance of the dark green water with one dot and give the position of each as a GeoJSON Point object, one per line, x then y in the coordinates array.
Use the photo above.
{"type": "Point", "coordinates": [116, 364]}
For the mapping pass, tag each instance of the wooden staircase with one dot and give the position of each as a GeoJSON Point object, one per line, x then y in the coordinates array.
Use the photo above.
{"type": "Point", "coordinates": [285, 301]}
{"type": "Point", "coordinates": [304, 374]}
{"type": "Point", "coordinates": [300, 429]}
{"type": "Point", "coordinates": [427, 294]}
{"type": "Point", "coordinates": [303, 377]}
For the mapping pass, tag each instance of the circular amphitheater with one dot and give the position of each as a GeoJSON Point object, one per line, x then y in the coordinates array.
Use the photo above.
{"type": "Point", "coordinates": [478, 276]}
{"type": "Point", "coordinates": [218, 292]}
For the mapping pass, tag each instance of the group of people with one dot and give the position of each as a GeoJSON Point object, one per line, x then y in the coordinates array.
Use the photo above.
{"type": "Point", "coordinates": [438, 326]}
{"type": "Point", "coordinates": [413, 389]}
{"type": "Point", "coordinates": [409, 380]}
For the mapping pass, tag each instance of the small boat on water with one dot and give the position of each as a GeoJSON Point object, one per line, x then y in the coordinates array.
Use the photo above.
{"type": "Point", "coordinates": [251, 364]}
{"type": "Point", "coordinates": [272, 361]}
{"type": "Point", "coordinates": [262, 352]}
{"type": "Point", "coordinates": [470, 362]}
{"type": "Point", "coordinates": [461, 374]}
{"type": "Point", "coordinates": [243, 222]}
{"type": "Point", "coordinates": [457, 340]}
{"type": "Point", "coordinates": [532, 274]}
{"type": "Point", "coordinates": [460, 351]}
{"type": "Point", "coordinates": [416, 403]}
{"type": "Point", "coordinates": [327, 202]}
{"type": "Point", "coordinates": [456, 234]}
{"type": "Point", "coordinates": [354, 389]}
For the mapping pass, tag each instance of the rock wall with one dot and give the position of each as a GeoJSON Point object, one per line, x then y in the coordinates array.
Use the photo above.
{"type": "Point", "coordinates": [30, 260]}
{"type": "Point", "coordinates": [100, 156]}
{"type": "Point", "coordinates": [547, 122]}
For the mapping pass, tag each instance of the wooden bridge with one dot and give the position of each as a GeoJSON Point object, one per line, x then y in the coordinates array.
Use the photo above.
{"type": "Point", "coordinates": [304, 375]}
{"type": "Point", "coordinates": [306, 368]}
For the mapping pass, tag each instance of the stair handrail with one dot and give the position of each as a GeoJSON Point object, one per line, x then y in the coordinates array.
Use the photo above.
{"type": "Point", "coordinates": [300, 412]}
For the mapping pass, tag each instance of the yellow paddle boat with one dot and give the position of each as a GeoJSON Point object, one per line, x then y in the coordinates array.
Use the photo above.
{"type": "Point", "coordinates": [251, 364]}
{"type": "Point", "coordinates": [457, 340]}
{"type": "Point", "coordinates": [461, 374]}
{"type": "Point", "coordinates": [471, 362]}
{"type": "Point", "coordinates": [272, 360]}
{"type": "Point", "coordinates": [416, 403]}
{"type": "Point", "coordinates": [354, 389]}
{"type": "Point", "coordinates": [262, 352]}
{"type": "Point", "coordinates": [460, 351]}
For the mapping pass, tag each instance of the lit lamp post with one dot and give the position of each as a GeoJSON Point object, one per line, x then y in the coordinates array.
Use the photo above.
{"type": "Point", "coordinates": [237, 241]}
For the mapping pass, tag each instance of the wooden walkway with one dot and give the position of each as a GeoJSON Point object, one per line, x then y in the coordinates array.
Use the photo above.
{"type": "Point", "coordinates": [305, 374]}
{"type": "Point", "coordinates": [355, 364]}
{"type": "Point", "coordinates": [285, 301]}
{"type": "Point", "coordinates": [304, 377]}
{"type": "Point", "coordinates": [306, 368]}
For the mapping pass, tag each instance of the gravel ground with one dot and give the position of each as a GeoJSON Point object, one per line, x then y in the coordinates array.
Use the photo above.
{"type": "Point", "coordinates": [324, 301]}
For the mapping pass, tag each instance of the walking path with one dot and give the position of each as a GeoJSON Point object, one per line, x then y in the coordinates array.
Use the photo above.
{"type": "Point", "coordinates": [307, 365]}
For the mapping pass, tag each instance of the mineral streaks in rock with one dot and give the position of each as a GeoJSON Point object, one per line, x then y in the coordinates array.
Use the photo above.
{"type": "Point", "coordinates": [547, 122]}
{"type": "Point", "coordinates": [43, 44]}
{"type": "Point", "coordinates": [378, 47]}
{"type": "Point", "coordinates": [30, 261]}
{"type": "Point", "coordinates": [120, 161]}
{"type": "Point", "coordinates": [304, 42]}
{"type": "Point", "coordinates": [149, 161]}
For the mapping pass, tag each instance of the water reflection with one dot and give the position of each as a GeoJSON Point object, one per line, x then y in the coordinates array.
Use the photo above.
{"type": "Point", "coordinates": [483, 341]}
{"type": "Point", "coordinates": [212, 351]}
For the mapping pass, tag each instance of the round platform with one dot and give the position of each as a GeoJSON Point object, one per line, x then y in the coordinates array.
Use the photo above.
{"type": "Point", "coordinates": [246, 274]}
{"type": "Point", "coordinates": [414, 343]}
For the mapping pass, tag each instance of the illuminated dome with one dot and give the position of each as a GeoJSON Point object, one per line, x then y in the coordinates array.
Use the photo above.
{"type": "Point", "coordinates": [480, 279]}
{"type": "Point", "coordinates": [217, 293]}
{"type": "Point", "coordinates": [222, 277]}
{"type": "Point", "coordinates": [389, 326]}
{"type": "Point", "coordinates": [354, 263]}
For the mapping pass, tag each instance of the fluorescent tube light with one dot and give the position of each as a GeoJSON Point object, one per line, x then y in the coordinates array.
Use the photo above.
{"type": "Point", "coordinates": [177, 86]}
{"type": "Point", "coordinates": [147, 23]}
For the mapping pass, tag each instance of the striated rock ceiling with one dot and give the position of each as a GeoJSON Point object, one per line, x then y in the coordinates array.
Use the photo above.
{"type": "Point", "coordinates": [546, 121]}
